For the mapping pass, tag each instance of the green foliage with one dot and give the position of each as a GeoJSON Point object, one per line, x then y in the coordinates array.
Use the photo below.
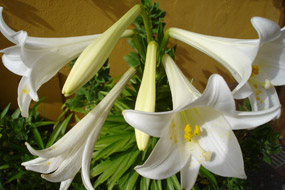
{"type": "Point", "coordinates": [15, 131]}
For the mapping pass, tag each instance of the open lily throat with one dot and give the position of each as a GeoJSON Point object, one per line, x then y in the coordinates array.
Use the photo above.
{"type": "Point", "coordinates": [191, 133]}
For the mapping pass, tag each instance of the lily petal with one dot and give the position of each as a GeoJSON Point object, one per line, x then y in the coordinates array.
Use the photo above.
{"type": "Point", "coordinates": [47, 165]}
{"type": "Point", "coordinates": [13, 62]}
{"type": "Point", "coordinates": [165, 160]}
{"type": "Point", "coordinates": [234, 54]}
{"type": "Point", "coordinates": [262, 99]}
{"type": "Point", "coordinates": [150, 123]}
{"type": "Point", "coordinates": [65, 184]}
{"type": "Point", "coordinates": [24, 96]}
{"type": "Point", "coordinates": [182, 90]}
{"type": "Point", "coordinates": [87, 154]}
{"type": "Point", "coordinates": [216, 95]}
{"type": "Point", "coordinates": [64, 171]}
{"type": "Point", "coordinates": [250, 120]}
{"type": "Point", "coordinates": [219, 139]}
{"type": "Point", "coordinates": [271, 58]}
{"type": "Point", "coordinates": [189, 174]}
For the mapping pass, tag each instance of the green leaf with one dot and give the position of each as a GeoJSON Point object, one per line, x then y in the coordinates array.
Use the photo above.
{"type": "Point", "coordinates": [108, 150]}
{"type": "Point", "coordinates": [5, 166]}
{"type": "Point", "coordinates": [132, 59]}
{"type": "Point", "coordinates": [203, 171]}
{"type": "Point", "coordinates": [16, 114]}
{"type": "Point", "coordinates": [175, 182]}
{"type": "Point", "coordinates": [4, 112]}
{"type": "Point", "coordinates": [36, 107]}
{"type": "Point", "coordinates": [38, 137]}
{"type": "Point", "coordinates": [99, 168]}
{"type": "Point", "coordinates": [110, 170]}
{"type": "Point", "coordinates": [43, 123]}
{"type": "Point", "coordinates": [130, 159]}
{"type": "Point", "coordinates": [17, 176]}
{"type": "Point", "coordinates": [58, 130]}
{"type": "Point", "coordinates": [132, 181]}
{"type": "Point", "coordinates": [144, 185]}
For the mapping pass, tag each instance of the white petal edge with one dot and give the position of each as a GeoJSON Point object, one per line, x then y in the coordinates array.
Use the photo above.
{"type": "Point", "coordinates": [253, 119]}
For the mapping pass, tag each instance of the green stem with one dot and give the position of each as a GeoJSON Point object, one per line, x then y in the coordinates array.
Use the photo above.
{"type": "Point", "coordinates": [147, 24]}
{"type": "Point", "coordinates": [164, 42]}
{"type": "Point", "coordinates": [163, 45]}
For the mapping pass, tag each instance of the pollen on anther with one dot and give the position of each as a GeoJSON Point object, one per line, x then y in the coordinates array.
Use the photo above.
{"type": "Point", "coordinates": [255, 70]}
{"type": "Point", "coordinates": [188, 132]}
{"type": "Point", "coordinates": [197, 130]}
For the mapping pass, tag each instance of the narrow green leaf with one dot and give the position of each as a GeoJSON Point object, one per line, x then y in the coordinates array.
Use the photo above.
{"type": "Point", "coordinates": [114, 147]}
{"type": "Point", "coordinates": [17, 176]}
{"type": "Point", "coordinates": [110, 170]}
{"type": "Point", "coordinates": [132, 181]}
{"type": "Point", "coordinates": [169, 184]}
{"type": "Point", "coordinates": [4, 112]}
{"type": "Point", "coordinates": [43, 123]}
{"type": "Point", "coordinates": [36, 107]}
{"type": "Point", "coordinates": [144, 185]}
{"type": "Point", "coordinates": [16, 114]}
{"type": "Point", "coordinates": [208, 175]}
{"type": "Point", "coordinates": [38, 137]}
{"type": "Point", "coordinates": [175, 182]}
{"type": "Point", "coordinates": [130, 159]}
{"type": "Point", "coordinates": [5, 166]}
{"type": "Point", "coordinates": [100, 168]}
{"type": "Point", "coordinates": [58, 131]}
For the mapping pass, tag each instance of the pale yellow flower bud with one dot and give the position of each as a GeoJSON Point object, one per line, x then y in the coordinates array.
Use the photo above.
{"type": "Point", "coordinates": [146, 95]}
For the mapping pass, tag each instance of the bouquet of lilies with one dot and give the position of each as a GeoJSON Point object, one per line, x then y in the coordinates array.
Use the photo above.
{"type": "Point", "coordinates": [195, 134]}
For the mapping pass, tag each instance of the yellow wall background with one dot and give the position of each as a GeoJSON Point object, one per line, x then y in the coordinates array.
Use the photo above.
{"type": "Point", "coordinates": [61, 18]}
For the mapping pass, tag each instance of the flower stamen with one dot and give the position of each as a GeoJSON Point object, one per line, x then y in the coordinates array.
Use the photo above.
{"type": "Point", "coordinates": [197, 130]}
{"type": "Point", "coordinates": [188, 132]}
{"type": "Point", "coordinates": [255, 70]}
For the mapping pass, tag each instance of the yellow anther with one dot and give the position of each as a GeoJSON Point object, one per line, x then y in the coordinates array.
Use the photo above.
{"type": "Point", "coordinates": [188, 132]}
{"type": "Point", "coordinates": [197, 131]}
{"type": "Point", "coordinates": [255, 70]}
{"type": "Point", "coordinates": [25, 91]}
{"type": "Point", "coordinates": [257, 98]}
{"type": "Point", "coordinates": [255, 85]}
{"type": "Point", "coordinates": [48, 163]}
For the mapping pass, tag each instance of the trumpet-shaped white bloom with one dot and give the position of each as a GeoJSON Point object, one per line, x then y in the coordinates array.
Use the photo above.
{"type": "Point", "coordinates": [146, 95]}
{"type": "Point", "coordinates": [61, 161]}
{"type": "Point", "coordinates": [255, 64]}
{"type": "Point", "coordinates": [95, 55]}
{"type": "Point", "coordinates": [37, 60]}
{"type": "Point", "coordinates": [197, 131]}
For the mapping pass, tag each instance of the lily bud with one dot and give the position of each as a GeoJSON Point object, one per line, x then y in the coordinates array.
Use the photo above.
{"type": "Point", "coordinates": [146, 95]}
{"type": "Point", "coordinates": [95, 55]}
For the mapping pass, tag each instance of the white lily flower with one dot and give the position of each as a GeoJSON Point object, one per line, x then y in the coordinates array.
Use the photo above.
{"type": "Point", "coordinates": [95, 55]}
{"type": "Point", "coordinates": [265, 55]}
{"type": "Point", "coordinates": [37, 60]}
{"type": "Point", "coordinates": [146, 96]}
{"type": "Point", "coordinates": [61, 161]}
{"type": "Point", "coordinates": [197, 131]}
